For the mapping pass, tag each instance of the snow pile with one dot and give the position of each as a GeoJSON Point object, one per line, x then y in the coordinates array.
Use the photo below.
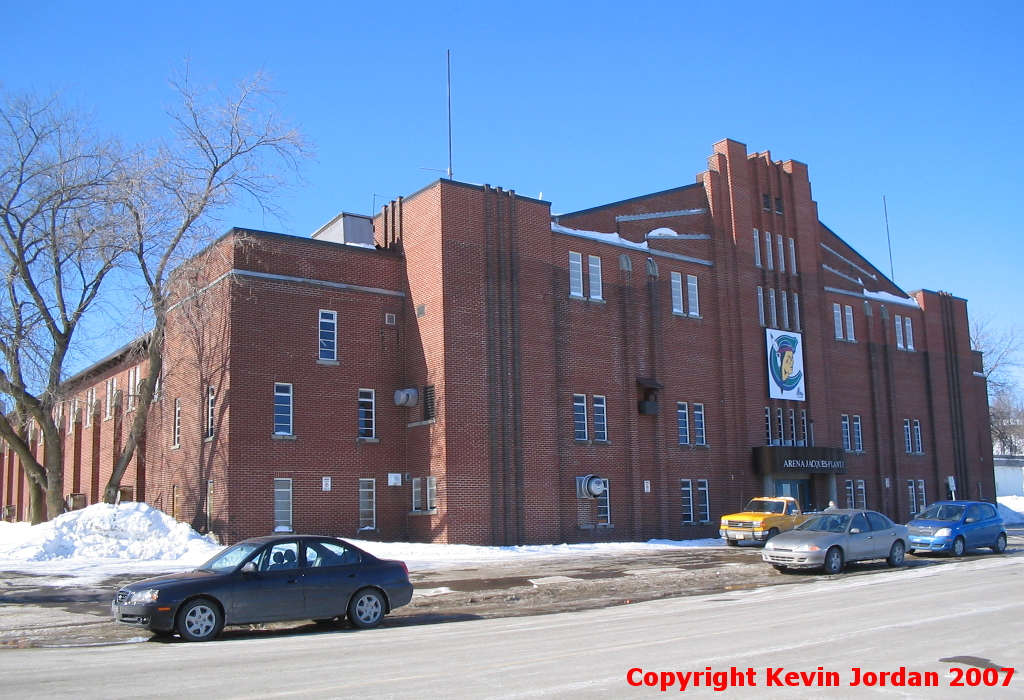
{"type": "Point", "coordinates": [1012, 509]}
{"type": "Point", "coordinates": [132, 531]}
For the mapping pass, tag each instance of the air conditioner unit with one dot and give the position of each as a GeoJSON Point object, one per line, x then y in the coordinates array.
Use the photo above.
{"type": "Point", "coordinates": [589, 486]}
{"type": "Point", "coordinates": [407, 397]}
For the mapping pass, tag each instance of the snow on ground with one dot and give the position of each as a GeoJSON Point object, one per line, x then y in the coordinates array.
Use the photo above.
{"type": "Point", "coordinates": [1012, 509]}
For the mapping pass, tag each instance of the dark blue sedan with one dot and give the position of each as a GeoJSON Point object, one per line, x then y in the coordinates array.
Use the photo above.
{"type": "Point", "coordinates": [268, 579]}
{"type": "Point", "coordinates": [954, 527]}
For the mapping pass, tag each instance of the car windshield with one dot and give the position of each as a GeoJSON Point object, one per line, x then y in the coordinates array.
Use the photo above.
{"type": "Point", "coordinates": [229, 559]}
{"type": "Point", "coordinates": [833, 522]}
{"type": "Point", "coordinates": [942, 511]}
{"type": "Point", "coordinates": [756, 506]}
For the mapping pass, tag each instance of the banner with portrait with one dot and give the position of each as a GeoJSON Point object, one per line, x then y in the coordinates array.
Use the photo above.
{"type": "Point", "coordinates": [785, 365]}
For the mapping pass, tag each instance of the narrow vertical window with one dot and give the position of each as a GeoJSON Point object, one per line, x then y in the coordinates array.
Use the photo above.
{"type": "Point", "coordinates": [899, 332]}
{"type": "Point", "coordinates": [90, 405]}
{"type": "Point", "coordinates": [176, 429]}
{"type": "Point", "coordinates": [209, 505]}
{"type": "Point", "coordinates": [760, 305]}
{"type": "Point", "coordinates": [431, 493]}
{"type": "Point", "coordinates": [917, 437]}
{"type": "Point", "coordinates": [677, 292]}
{"type": "Point", "coordinates": [768, 250]}
{"type": "Point", "coordinates": [579, 416]}
{"type": "Point", "coordinates": [111, 394]}
{"type": "Point", "coordinates": [595, 277]}
{"type": "Point", "coordinates": [282, 505]}
{"type": "Point", "coordinates": [766, 202]}
{"type": "Point", "coordinates": [768, 425]}
{"type": "Point", "coordinates": [782, 254]}
{"type": "Point", "coordinates": [909, 334]}
{"type": "Point", "coordinates": [133, 387]}
{"type": "Point", "coordinates": [429, 406]}
{"type": "Point", "coordinates": [792, 428]}
{"type": "Point", "coordinates": [367, 413]}
{"type": "Point", "coordinates": [367, 504]}
{"type": "Point", "coordinates": [417, 494]}
{"type": "Point", "coordinates": [780, 426]}
{"type": "Point", "coordinates": [600, 419]}
{"type": "Point", "coordinates": [785, 310]}
{"type": "Point", "coordinates": [778, 205]}
{"type": "Point", "coordinates": [792, 257]}
{"type": "Point", "coordinates": [283, 409]}
{"type": "Point", "coordinates": [575, 275]}
{"type": "Point", "coordinates": [211, 405]}
{"type": "Point", "coordinates": [846, 432]}
{"type": "Point", "coordinates": [796, 311]}
{"type": "Point", "coordinates": [699, 437]}
{"type": "Point", "coordinates": [176, 501]}
{"type": "Point", "coordinates": [922, 502]}
{"type": "Point", "coordinates": [858, 440]}
{"type": "Point", "coordinates": [862, 500]}
{"type": "Point", "coordinates": [683, 423]}
{"type": "Point", "coordinates": [850, 503]}
{"type": "Point", "coordinates": [703, 503]}
{"type": "Point", "coordinates": [907, 444]}
{"type": "Point", "coordinates": [804, 437]}
{"type": "Point", "coordinates": [850, 335]}
{"type": "Point", "coordinates": [757, 248]}
{"type": "Point", "coordinates": [604, 506]}
{"type": "Point", "coordinates": [686, 492]}
{"type": "Point", "coordinates": [772, 309]}
{"type": "Point", "coordinates": [837, 318]}
{"type": "Point", "coordinates": [328, 335]}
{"type": "Point", "coordinates": [912, 496]}
{"type": "Point", "coordinates": [692, 299]}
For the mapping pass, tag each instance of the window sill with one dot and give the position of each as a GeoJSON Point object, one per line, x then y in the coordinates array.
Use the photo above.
{"type": "Point", "coordinates": [432, 511]}
{"type": "Point", "coordinates": [372, 440]}
{"type": "Point", "coordinates": [592, 442]}
{"type": "Point", "coordinates": [329, 363]}
{"type": "Point", "coordinates": [592, 300]}
{"type": "Point", "coordinates": [683, 314]}
{"type": "Point", "coordinates": [208, 439]}
{"type": "Point", "coordinates": [284, 437]}
{"type": "Point", "coordinates": [176, 447]}
{"type": "Point", "coordinates": [607, 526]}
{"type": "Point", "coordinates": [416, 424]}
{"type": "Point", "coordinates": [587, 527]}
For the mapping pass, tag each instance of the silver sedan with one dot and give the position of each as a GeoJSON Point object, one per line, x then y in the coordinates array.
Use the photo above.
{"type": "Point", "coordinates": [831, 539]}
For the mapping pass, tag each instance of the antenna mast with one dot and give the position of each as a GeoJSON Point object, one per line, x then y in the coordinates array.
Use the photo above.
{"type": "Point", "coordinates": [892, 275]}
{"type": "Point", "coordinates": [449, 114]}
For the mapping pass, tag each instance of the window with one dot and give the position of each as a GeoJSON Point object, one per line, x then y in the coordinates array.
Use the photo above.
{"type": "Point", "coordinates": [850, 503]}
{"type": "Point", "coordinates": [595, 277]}
{"type": "Point", "coordinates": [858, 441]}
{"type": "Point", "coordinates": [176, 429]}
{"type": "Point", "coordinates": [837, 318]}
{"type": "Point", "coordinates": [792, 428]}
{"type": "Point", "coordinates": [90, 405]}
{"type": "Point", "coordinates": [328, 335]}
{"type": "Point", "coordinates": [921, 501]}
{"type": "Point", "coordinates": [862, 501]}
{"type": "Point", "coordinates": [133, 387]}
{"type": "Point", "coordinates": [912, 495]}
{"type": "Point", "coordinates": [431, 493]}
{"type": "Point", "coordinates": [604, 506]}
{"type": "Point", "coordinates": [849, 325]}
{"type": "Point", "coordinates": [390, 319]}
{"type": "Point", "coordinates": [757, 248]}
{"type": "Point", "coordinates": [760, 305]}
{"type": "Point", "coordinates": [283, 409]}
{"type": "Point", "coordinates": [803, 429]}
{"type": "Point", "coordinates": [768, 425]}
{"type": "Point", "coordinates": [917, 437]}
{"type": "Point", "coordinates": [579, 415]}
{"type": "Point", "coordinates": [909, 334]}
{"type": "Point", "coordinates": [209, 505]}
{"type": "Point", "coordinates": [792, 257]}
{"type": "Point", "coordinates": [575, 275]}
{"type": "Point", "coordinates": [600, 419]}
{"type": "Point", "coordinates": [691, 295]}
{"type": "Point", "coordinates": [778, 205]}
{"type": "Point", "coordinates": [417, 494]}
{"type": "Point", "coordinates": [846, 433]}
{"type": "Point", "coordinates": [766, 202]}
{"type": "Point", "coordinates": [677, 293]}
{"type": "Point", "coordinates": [686, 491]}
{"type": "Point", "coordinates": [211, 402]}
{"type": "Point", "coordinates": [779, 426]}
{"type": "Point", "coordinates": [698, 424]}
{"type": "Point", "coordinates": [771, 307]}
{"type": "Point", "coordinates": [176, 502]}
{"type": "Point", "coordinates": [796, 311]}
{"type": "Point", "coordinates": [683, 423]}
{"type": "Point", "coordinates": [367, 413]}
{"type": "Point", "coordinates": [283, 504]}
{"type": "Point", "coordinates": [785, 311]}
{"type": "Point", "coordinates": [907, 444]}
{"type": "Point", "coordinates": [782, 253]}
{"type": "Point", "coordinates": [429, 409]}
{"type": "Point", "coordinates": [703, 505]}
{"type": "Point", "coordinates": [111, 388]}
{"type": "Point", "coordinates": [367, 504]}
{"type": "Point", "coordinates": [768, 250]}
{"type": "Point", "coordinates": [899, 332]}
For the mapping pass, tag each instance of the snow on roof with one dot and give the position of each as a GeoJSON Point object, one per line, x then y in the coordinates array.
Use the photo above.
{"type": "Point", "coordinates": [891, 298]}
{"type": "Point", "coordinates": [613, 238]}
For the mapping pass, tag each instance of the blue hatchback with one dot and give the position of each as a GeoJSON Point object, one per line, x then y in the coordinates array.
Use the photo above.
{"type": "Point", "coordinates": [955, 526]}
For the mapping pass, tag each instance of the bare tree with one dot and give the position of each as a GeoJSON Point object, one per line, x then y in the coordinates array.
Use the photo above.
{"type": "Point", "coordinates": [227, 147]}
{"type": "Point", "coordinates": [58, 243]}
{"type": "Point", "coordinates": [1002, 349]}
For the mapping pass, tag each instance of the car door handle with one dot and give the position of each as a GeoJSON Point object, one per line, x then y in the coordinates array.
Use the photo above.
{"type": "Point", "coordinates": [294, 580]}
{"type": "Point", "coordinates": [351, 575]}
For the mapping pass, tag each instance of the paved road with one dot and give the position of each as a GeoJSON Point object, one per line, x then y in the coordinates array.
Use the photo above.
{"type": "Point", "coordinates": [972, 611]}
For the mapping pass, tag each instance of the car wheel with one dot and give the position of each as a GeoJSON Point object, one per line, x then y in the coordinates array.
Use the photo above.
{"type": "Point", "coordinates": [833, 561]}
{"type": "Point", "coordinates": [896, 554]}
{"type": "Point", "coordinates": [959, 547]}
{"type": "Point", "coordinates": [733, 543]}
{"type": "Point", "coordinates": [366, 609]}
{"type": "Point", "coordinates": [1000, 546]}
{"type": "Point", "coordinates": [199, 620]}
{"type": "Point", "coordinates": [772, 533]}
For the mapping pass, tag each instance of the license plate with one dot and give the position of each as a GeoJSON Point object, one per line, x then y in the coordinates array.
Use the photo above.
{"type": "Point", "coordinates": [741, 536]}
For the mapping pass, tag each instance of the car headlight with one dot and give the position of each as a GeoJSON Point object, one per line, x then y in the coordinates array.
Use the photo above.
{"type": "Point", "coordinates": [807, 548]}
{"type": "Point", "coordinates": [769, 545]}
{"type": "Point", "coordinates": [147, 596]}
{"type": "Point", "coordinates": [943, 532]}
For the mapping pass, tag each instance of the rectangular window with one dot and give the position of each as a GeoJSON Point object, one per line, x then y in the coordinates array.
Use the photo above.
{"type": "Point", "coordinates": [111, 388]}
{"type": "Point", "coordinates": [431, 493]}
{"type": "Point", "coordinates": [796, 311]}
{"type": "Point", "coordinates": [908, 324]}
{"type": "Point", "coordinates": [367, 504]}
{"type": "Point", "coordinates": [768, 425]}
{"type": "Point", "coordinates": [917, 437]}
{"type": "Point", "coordinates": [283, 409]}
{"type": "Point", "coordinates": [757, 248]}
{"type": "Point", "coordinates": [768, 250]}
{"type": "Point", "coordinates": [792, 257]}
{"type": "Point", "coordinates": [908, 446]}
{"type": "Point", "coordinates": [211, 403]}
{"type": "Point", "coordinates": [766, 202]}
{"type": "Point", "coordinates": [899, 332]}
{"type": "Point", "coordinates": [703, 503]}
{"type": "Point", "coordinates": [912, 495]}
{"type": "Point", "coordinates": [862, 500]}
{"type": "Point", "coordinates": [686, 491]}
{"type": "Point", "coordinates": [782, 253]}
{"type": "Point", "coordinates": [328, 335]}
{"type": "Point", "coordinates": [780, 426]}
{"type": "Point", "coordinates": [922, 502]}
{"type": "Point", "coordinates": [771, 307]}
{"type": "Point", "coordinates": [849, 325]}
{"type": "Point", "coordinates": [760, 305]}
{"type": "Point", "coordinates": [595, 277]}
{"type": "Point", "coordinates": [677, 292]}
{"type": "Point", "coordinates": [176, 502]}
{"type": "Point", "coordinates": [699, 437]}
{"type": "Point", "coordinates": [792, 428]}
{"type": "Point", "coordinates": [604, 506]}
{"type": "Point", "coordinates": [837, 319]}
{"type": "Point", "coordinates": [579, 416]}
{"type": "Point", "coordinates": [683, 422]}
{"type": "Point", "coordinates": [778, 205]}
{"type": "Point", "coordinates": [417, 494]}
{"type": "Point", "coordinates": [850, 503]}
{"type": "Point", "coordinates": [367, 413]}
{"type": "Point", "coordinates": [691, 295]}
{"type": "Point", "coordinates": [803, 429]}
{"type": "Point", "coordinates": [176, 430]}
{"type": "Point", "coordinates": [858, 441]}
{"type": "Point", "coordinates": [90, 405]}
{"type": "Point", "coordinates": [575, 275]}
{"type": "Point", "coordinates": [785, 311]}
{"type": "Point", "coordinates": [133, 388]}
{"type": "Point", "coordinates": [429, 408]}
{"type": "Point", "coordinates": [846, 432]}
{"type": "Point", "coordinates": [600, 419]}
{"type": "Point", "coordinates": [282, 505]}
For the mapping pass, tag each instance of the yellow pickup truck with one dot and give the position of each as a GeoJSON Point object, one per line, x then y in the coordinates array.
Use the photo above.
{"type": "Point", "coordinates": [761, 520]}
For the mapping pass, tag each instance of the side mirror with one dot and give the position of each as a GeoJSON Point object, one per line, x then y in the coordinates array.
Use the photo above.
{"type": "Point", "coordinates": [249, 567]}
{"type": "Point", "coordinates": [854, 530]}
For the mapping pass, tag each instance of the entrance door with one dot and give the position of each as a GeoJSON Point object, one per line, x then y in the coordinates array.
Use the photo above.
{"type": "Point", "coordinates": [800, 489]}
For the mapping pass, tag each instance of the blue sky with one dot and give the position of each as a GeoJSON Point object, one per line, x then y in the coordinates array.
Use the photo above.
{"type": "Point", "coordinates": [594, 102]}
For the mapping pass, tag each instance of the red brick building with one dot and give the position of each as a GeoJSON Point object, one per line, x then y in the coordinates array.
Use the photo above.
{"type": "Point", "coordinates": [687, 350]}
